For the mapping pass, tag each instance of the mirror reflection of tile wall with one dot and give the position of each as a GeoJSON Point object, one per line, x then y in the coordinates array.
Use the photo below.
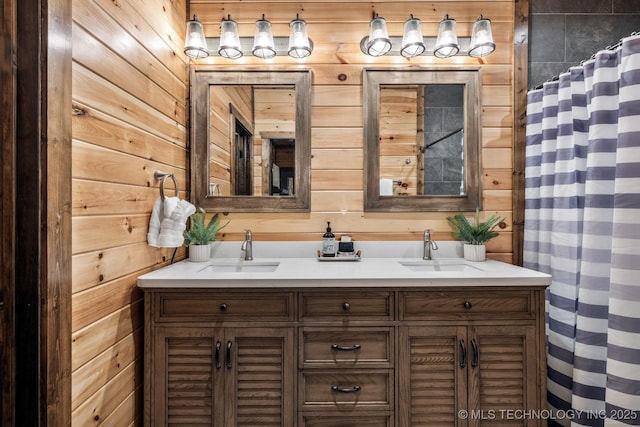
{"type": "Point", "coordinates": [443, 135]}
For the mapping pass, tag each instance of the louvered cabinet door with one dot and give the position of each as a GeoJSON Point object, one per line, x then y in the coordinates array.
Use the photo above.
{"type": "Point", "coordinates": [503, 385]}
{"type": "Point", "coordinates": [260, 373]}
{"type": "Point", "coordinates": [432, 376]}
{"type": "Point", "coordinates": [186, 383]}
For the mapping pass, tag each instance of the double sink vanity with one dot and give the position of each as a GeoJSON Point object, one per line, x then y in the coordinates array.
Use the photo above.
{"type": "Point", "coordinates": [285, 340]}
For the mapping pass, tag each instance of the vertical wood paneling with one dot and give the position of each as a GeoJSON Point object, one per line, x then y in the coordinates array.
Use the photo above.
{"type": "Point", "coordinates": [8, 106]}
{"type": "Point", "coordinates": [521, 62]}
{"type": "Point", "coordinates": [129, 120]}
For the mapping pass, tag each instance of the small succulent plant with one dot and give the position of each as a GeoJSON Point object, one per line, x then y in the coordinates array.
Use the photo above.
{"type": "Point", "coordinates": [476, 233]}
{"type": "Point", "coordinates": [201, 233]}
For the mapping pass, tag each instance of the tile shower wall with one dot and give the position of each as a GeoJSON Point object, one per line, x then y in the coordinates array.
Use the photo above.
{"type": "Point", "coordinates": [443, 163]}
{"type": "Point", "coordinates": [564, 32]}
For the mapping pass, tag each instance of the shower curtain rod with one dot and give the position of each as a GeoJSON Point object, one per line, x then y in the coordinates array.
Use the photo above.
{"type": "Point", "coordinates": [612, 47]}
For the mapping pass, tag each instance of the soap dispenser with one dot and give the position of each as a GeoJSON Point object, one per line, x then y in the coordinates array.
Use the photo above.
{"type": "Point", "coordinates": [328, 242]}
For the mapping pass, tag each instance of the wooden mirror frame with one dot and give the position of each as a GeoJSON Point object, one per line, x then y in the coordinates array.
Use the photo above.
{"type": "Point", "coordinates": [372, 79]}
{"type": "Point", "coordinates": [201, 80]}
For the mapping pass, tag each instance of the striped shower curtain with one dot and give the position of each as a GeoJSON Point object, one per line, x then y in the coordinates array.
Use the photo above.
{"type": "Point", "coordinates": [582, 226]}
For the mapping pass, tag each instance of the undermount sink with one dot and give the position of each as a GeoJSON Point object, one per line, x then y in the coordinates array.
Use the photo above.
{"type": "Point", "coordinates": [243, 267]}
{"type": "Point", "coordinates": [438, 265]}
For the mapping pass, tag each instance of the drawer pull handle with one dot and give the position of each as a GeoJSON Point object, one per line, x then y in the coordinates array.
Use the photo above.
{"type": "Point", "coordinates": [224, 308]}
{"type": "Point", "coordinates": [218, 363]}
{"type": "Point", "coordinates": [346, 306]}
{"type": "Point", "coordinates": [467, 305]}
{"type": "Point", "coordinates": [476, 355]}
{"type": "Point", "coordinates": [463, 356]}
{"type": "Point", "coordinates": [337, 347]}
{"type": "Point", "coordinates": [228, 354]}
{"type": "Point", "coordinates": [354, 389]}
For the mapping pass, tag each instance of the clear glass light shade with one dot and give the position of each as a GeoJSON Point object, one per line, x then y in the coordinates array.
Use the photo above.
{"type": "Point", "coordinates": [195, 44]}
{"type": "Point", "coordinates": [481, 38]}
{"type": "Point", "coordinates": [299, 43]}
{"type": "Point", "coordinates": [229, 40]}
{"type": "Point", "coordinates": [447, 41]}
{"type": "Point", "coordinates": [412, 41]}
{"type": "Point", "coordinates": [378, 43]}
{"type": "Point", "coordinates": [263, 46]}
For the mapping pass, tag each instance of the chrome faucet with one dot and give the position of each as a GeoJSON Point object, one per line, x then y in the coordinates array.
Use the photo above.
{"type": "Point", "coordinates": [429, 245]}
{"type": "Point", "coordinates": [247, 246]}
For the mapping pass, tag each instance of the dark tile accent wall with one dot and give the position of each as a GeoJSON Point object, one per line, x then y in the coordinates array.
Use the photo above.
{"type": "Point", "coordinates": [443, 163]}
{"type": "Point", "coordinates": [562, 33]}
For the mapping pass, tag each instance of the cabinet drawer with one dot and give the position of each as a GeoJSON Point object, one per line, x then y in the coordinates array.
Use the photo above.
{"type": "Point", "coordinates": [347, 305]}
{"type": "Point", "coordinates": [339, 390]}
{"type": "Point", "coordinates": [233, 306]}
{"type": "Point", "coordinates": [471, 304]}
{"type": "Point", "coordinates": [360, 421]}
{"type": "Point", "coordinates": [346, 347]}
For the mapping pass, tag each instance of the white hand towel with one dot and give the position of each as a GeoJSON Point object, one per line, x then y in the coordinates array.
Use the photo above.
{"type": "Point", "coordinates": [182, 211]}
{"type": "Point", "coordinates": [154, 223]}
{"type": "Point", "coordinates": [174, 223]}
{"type": "Point", "coordinates": [171, 233]}
{"type": "Point", "coordinates": [170, 204]}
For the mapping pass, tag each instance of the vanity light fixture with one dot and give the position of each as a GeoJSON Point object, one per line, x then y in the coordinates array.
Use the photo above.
{"type": "Point", "coordinates": [412, 43]}
{"type": "Point", "coordinates": [447, 41]}
{"type": "Point", "coordinates": [412, 40]}
{"type": "Point", "coordinates": [299, 43]}
{"type": "Point", "coordinates": [378, 43]}
{"type": "Point", "coordinates": [481, 38]}
{"type": "Point", "coordinates": [229, 39]}
{"type": "Point", "coordinates": [195, 45]}
{"type": "Point", "coordinates": [263, 46]}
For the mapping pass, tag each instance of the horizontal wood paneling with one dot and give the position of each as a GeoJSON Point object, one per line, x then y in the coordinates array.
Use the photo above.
{"type": "Point", "coordinates": [129, 119]}
{"type": "Point", "coordinates": [101, 335]}
{"type": "Point", "coordinates": [337, 173]}
{"type": "Point", "coordinates": [101, 369]}
{"type": "Point", "coordinates": [348, 12]}
{"type": "Point", "coordinates": [97, 267]}
{"type": "Point", "coordinates": [93, 304]}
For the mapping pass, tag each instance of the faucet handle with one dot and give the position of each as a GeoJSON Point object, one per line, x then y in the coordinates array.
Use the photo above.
{"type": "Point", "coordinates": [427, 234]}
{"type": "Point", "coordinates": [248, 233]}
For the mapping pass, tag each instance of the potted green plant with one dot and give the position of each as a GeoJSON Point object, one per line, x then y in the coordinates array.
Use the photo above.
{"type": "Point", "coordinates": [475, 233]}
{"type": "Point", "coordinates": [200, 233]}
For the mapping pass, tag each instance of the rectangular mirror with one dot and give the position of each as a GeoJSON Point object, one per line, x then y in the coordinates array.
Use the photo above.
{"type": "Point", "coordinates": [250, 138]}
{"type": "Point", "coordinates": [422, 139]}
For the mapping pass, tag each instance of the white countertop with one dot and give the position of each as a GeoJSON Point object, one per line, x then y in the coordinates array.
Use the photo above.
{"type": "Point", "coordinates": [309, 272]}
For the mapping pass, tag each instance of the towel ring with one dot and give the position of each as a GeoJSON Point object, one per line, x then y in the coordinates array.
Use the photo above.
{"type": "Point", "coordinates": [162, 176]}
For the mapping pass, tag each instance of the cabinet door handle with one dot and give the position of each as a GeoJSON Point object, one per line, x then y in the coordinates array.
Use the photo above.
{"type": "Point", "coordinates": [218, 364]}
{"type": "Point", "coordinates": [476, 355]}
{"type": "Point", "coordinates": [224, 308]}
{"type": "Point", "coordinates": [467, 305]}
{"type": "Point", "coordinates": [338, 389]}
{"type": "Point", "coordinates": [463, 356]}
{"type": "Point", "coordinates": [346, 306]}
{"type": "Point", "coordinates": [337, 347]}
{"type": "Point", "coordinates": [229, 354]}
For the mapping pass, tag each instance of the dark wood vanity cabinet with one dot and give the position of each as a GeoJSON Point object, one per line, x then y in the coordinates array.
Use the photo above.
{"type": "Point", "coordinates": [231, 363]}
{"type": "Point", "coordinates": [344, 357]}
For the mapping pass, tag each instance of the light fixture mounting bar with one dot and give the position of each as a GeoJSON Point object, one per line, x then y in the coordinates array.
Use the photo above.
{"type": "Point", "coordinates": [281, 44]}
{"type": "Point", "coordinates": [429, 41]}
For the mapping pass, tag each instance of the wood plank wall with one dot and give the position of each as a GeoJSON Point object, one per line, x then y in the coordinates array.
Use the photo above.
{"type": "Point", "coordinates": [336, 28]}
{"type": "Point", "coordinates": [220, 164]}
{"type": "Point", "coordinates": [129, 120]}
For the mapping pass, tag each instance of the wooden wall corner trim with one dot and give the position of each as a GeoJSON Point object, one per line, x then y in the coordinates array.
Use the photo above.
{"type": "Point", "coordinates": [520, 84]}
